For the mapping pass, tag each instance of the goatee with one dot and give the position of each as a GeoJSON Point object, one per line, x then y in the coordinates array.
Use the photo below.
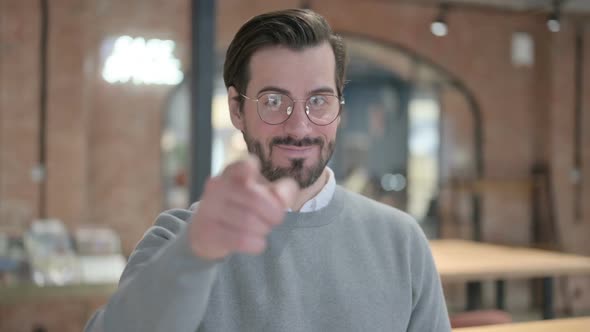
{"type": "Point", "coordinates": [305, 177]}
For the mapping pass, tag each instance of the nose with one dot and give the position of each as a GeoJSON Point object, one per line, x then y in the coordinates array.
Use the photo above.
{"type": "Point", "coordinates": [298, 124]}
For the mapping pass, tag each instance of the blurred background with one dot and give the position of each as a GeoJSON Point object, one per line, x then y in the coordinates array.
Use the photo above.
{"type": "Point", "coordinates": [472, 115]}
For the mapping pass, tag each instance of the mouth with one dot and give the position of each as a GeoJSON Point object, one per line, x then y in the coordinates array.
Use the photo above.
{"type": "Point", "coordinates": [292, 151]}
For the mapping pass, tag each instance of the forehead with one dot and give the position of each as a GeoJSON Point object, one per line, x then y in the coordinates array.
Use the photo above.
{"type": "Point", "coordinates": [297, 71]}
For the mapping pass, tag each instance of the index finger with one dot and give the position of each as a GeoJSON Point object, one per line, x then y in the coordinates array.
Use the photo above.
{"type": "Point", "coordinates": [243, 169]}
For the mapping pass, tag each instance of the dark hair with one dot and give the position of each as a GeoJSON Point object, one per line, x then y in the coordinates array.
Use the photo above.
{"type": "Point", "coordinates": [293, 28]}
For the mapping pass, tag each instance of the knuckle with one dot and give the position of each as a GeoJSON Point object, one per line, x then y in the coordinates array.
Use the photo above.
{"type": "Point", "coordinates": [256, 196]}
{"type": "Point", "coordinates": [231, 167]}
{"type": "Point", "coordinates": [248, 221]}
{"type": "Point", "coordinates": [275, 211]}
{"type": "Point", "coordinates": [211, 184]}
{"type": "Point", "coordinates": [204, 230]}
{"type": "Point", "coordinates": [235, 168]}
{"type": "Point", "coordinates": [276, 218]}
{"type": "Point", "coordinates": [253, 224]}
{"type": "Point", "coordinates": [242, 241]}
{"type": "Point", "coordinates": [275, 214]}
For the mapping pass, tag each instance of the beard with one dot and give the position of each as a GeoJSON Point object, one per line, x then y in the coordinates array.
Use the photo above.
{"type": "Point", "coordinates": [304, 176]}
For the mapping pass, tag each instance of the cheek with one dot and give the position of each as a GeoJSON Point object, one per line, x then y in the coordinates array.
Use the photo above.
{"type": "Point", "coordinates": [330, 132]}
{"type": "Point", "coordinates": [262, 132]}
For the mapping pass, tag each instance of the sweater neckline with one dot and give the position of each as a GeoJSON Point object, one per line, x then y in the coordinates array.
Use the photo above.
{"type": "Point", "coordinates": [321, 217]}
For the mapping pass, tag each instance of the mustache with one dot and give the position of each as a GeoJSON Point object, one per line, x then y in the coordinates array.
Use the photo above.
{"type": "Point", "coordinates": [306, 141]}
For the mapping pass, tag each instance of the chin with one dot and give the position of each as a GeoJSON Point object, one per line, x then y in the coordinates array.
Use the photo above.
{"type": "Point", "coordinates": [288, 162]}
{"type": "Point", "coordinates": [305, 170]}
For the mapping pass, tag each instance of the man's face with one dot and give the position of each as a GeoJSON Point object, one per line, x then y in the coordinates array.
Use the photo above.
{"type": "Point", "coordinates": [297, 147]}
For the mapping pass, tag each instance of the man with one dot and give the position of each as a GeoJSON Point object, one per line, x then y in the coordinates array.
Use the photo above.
{"type": "Point", "coordinates": [274, 244]}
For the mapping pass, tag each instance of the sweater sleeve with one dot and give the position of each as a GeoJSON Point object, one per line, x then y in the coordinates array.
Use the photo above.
{"type": "Point", "coordinates": [429, 310]}
{"type": "Point", "coordinates": [164, 286]}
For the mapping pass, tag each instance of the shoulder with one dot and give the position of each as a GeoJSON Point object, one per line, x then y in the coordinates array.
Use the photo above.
{"type": "Point", "coordinates": [367, 207]}
{"type": "Point", "coordinates": [386, 227]}
{"type": "Point", "coordinates": [382, 221]}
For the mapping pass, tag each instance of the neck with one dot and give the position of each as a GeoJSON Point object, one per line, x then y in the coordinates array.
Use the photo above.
{"type": "Point", "coordinates": [306, 194]}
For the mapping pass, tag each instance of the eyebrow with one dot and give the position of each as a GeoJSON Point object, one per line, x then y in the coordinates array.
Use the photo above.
{"type": "Point", "coordinates": [270, 88]}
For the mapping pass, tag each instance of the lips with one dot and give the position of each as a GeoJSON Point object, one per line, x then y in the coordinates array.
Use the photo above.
{"type": "Point", "coordinates": [293, 151]}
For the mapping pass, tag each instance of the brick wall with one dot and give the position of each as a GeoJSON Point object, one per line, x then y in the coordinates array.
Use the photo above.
{"type": "Point", "coordinates": [19, 77]}
{"type": "Point", "coordinates": [103, 141]}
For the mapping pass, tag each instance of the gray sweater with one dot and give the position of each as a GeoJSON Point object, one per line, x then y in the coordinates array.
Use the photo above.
{"type": "Point", "coordinates": [355, 265]}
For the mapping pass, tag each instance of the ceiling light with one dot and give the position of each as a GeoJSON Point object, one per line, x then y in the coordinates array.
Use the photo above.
{"type": "Point", "coordinates": [553, 22]}
{"type": "Point", "coordinates": [439, 27]}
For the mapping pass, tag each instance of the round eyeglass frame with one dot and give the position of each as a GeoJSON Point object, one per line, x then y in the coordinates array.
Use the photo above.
{"type": "Point", "coordinates": [341, 102]}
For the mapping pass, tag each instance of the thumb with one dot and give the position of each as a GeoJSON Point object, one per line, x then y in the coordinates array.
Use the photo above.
{"type": "Point", "coordinates": [286, 190]}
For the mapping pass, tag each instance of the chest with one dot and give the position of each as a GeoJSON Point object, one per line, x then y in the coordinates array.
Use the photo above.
{"type": "Point", "coordinates": [309, 280]}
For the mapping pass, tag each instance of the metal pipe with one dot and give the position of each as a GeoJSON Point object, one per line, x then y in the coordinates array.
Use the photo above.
{"type": "Point", "coordinates": [201, 92]}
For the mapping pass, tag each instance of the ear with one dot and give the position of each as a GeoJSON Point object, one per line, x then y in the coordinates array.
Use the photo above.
{"type": "Point", "coordinates": [233, 101]}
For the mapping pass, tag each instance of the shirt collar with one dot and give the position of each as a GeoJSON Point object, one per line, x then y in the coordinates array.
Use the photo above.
{"type": "Point", "coordinates": [322, 198]}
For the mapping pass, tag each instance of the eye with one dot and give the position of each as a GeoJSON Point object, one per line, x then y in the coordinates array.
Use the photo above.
{"type": "Point", "coordinates": [273, 100]}
{"type": "Point", "coordinates": [318, 101]}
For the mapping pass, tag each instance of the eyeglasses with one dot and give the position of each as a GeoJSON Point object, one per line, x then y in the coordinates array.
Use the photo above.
{"type": "Point", "coordinates": [276, 108]}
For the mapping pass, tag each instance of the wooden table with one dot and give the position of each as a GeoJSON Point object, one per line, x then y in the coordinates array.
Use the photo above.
{"type": "Point", "coordinates": [581, 324]}
{"type": "Point", "coordinates": [461, 260]}
{"type": "Point", "coordinates": [29, 292]}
